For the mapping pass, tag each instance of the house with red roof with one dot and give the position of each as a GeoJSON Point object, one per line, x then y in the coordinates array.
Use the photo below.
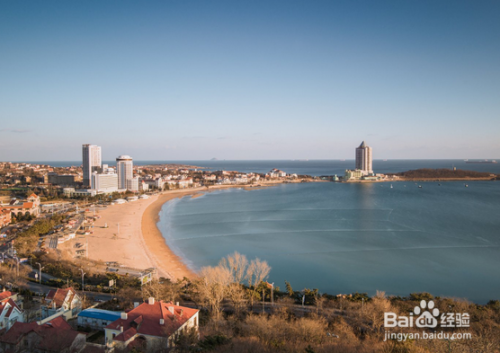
{"type": "Point", "coordinates": [31, 206]}
{"type": "Point", "coordinates": [10, 311]}
{"type": "Point", "coordinates": [53, 336]}
{"type": "Point", "coordinates": [61, 301]}
{"type": "Point", "coordinates": [151, 325]}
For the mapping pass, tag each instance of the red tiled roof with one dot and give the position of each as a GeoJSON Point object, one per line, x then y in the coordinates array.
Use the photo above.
{"type": "Point", "coordinates": [145, 319]}
{"type": "Point", "coordinates": [59, 295]}
{"type": "Point", "coordinates": [33, 195]}
{"type": "Point", "coordinates": [55, 334]}
{"type": "Point", "coordinates": [126, 335]}
{"type": "Point", "coordinates": [6, 294]}
{"type": "Point", "coordinates": [12, 305]}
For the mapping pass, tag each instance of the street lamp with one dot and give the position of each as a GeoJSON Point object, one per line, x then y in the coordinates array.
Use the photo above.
{"type": "Point", "coordinates": [40, 271]}
{"type": "Point", "coordinates": [272, 294]}
{"type": "Point", "coordinates": [83, 284]}
{"type": "Point", "coordinates": [17, 260]}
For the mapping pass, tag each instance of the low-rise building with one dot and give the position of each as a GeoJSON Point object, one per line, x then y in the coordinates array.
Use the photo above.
{"type": "Point", "coordinates": [30, 206]}
{"type": "Point", "coordinates": [62, 302]}
{"type": "Point", "coordinates": [133, 184]}
{"type": "Point", "coordinates": [53, 336]}
{"type": "Point", "coordinates": [151, 325]}
{"type": "Point", "coordinates": [97, 318]}
{"type": "Point", "coordinates": [10, 311]}
{"type": "Point", "coordinates": [59, 179]}
{"type": "Point", "coordinates": [104, 182]}
{"type": "Point", "coordinates": [353, 174]}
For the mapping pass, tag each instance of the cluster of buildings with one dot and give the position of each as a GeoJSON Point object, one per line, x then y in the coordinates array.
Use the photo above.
{"type": "Point", "coordinates": [99, 178]}
{"type": "Point", "coordinates": [64, 327]}
{"type": "Point", "coordinates": [364, 165]}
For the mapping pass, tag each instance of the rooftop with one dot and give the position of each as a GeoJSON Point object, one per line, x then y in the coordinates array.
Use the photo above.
{"type": "Point", "coordinates": [145, 319]}
{"type": "Point", "coordinates": [100, 314]}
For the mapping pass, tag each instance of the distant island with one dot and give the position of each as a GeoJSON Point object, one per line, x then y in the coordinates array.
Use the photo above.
{"type": "Point", "coordinates": [443, 174]}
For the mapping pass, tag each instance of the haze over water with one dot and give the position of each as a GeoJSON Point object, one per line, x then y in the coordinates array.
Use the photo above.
{"type": "Point", "coordinates": [343, 238]}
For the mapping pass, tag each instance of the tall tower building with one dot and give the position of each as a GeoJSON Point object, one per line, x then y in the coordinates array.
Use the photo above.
{"type": "Point", "coordinates": [364, 158]}
{"type": "Point", "coordinates": [125, 170]}
{"type": "Point", "coordinates": [91, 162]}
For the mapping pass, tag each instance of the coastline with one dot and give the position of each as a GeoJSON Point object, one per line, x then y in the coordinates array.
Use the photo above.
{"type": "Point", "coordinates": [166, 261]}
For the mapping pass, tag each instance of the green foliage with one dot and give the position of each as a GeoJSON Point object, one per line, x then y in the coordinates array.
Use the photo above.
{"type": "Point", "coordinates": [494, 304]}
{"type": "Point", "coordinates": [421, 296]}
{"type": "Point", "coordinates": [427, 173]}
{"type": "Point", "coordinates": [358, 297]}
{"type": "Point", "coordinates": [289, 288]}
{"type": "Point", "coordinates": [186, 340]}
{"type": "Point", "coordinates": [26, 242]}
{"type": "Point", "coordinates": [309, 349]}
{"type": "Point", "coordinates": [210, 343]}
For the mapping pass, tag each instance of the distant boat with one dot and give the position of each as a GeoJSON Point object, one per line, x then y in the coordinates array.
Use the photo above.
{"type": "Point", "coordinates": [420, 186]}
{"type": "Point", "coordinates": [466, 185]}
{"type": "Point", "coordinates": [391, 186]}
{"type": "Point", "coordinates": [439, 184]}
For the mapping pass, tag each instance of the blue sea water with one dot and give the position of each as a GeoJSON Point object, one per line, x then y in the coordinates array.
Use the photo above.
{"type": "Point", "coordinates": [343, 238]}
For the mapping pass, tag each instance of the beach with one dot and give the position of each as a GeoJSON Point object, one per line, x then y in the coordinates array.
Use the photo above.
{"type": "Point", "coordinates": [166, 261]}
{"type": "Point", "coordinates": [132, 238]}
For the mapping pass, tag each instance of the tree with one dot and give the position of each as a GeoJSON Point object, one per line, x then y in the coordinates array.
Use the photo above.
{"type": "Point", "coordinates": [236, 264]}
{"type": "Point", "coordinates": [289, 288]}
{"type": "Point", "coordinates": [257, 272]}
{"type": "Point", "coordinates": [166, 291]}
{"type": "Point", "coordinates": [213, 285]}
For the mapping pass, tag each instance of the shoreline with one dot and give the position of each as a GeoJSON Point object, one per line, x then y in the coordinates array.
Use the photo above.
{"type": "Point", "coordinates": [168, 263]}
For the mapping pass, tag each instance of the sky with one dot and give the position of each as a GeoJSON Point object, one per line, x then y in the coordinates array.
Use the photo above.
{"type": "Point", "coordinates": [194, 80]}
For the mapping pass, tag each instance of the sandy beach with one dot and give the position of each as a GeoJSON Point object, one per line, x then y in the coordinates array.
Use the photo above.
{"type": "Point", "coordinates": [168, 263]}
{"type": "Point", "coordinates": [133, 239]}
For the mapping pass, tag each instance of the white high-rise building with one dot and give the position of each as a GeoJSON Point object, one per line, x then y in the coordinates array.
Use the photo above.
{"type": "Point", "coordinates": [105, 182]}
{"type": "Point", "coordinates": [364, 159]}
{"type": "Point", "coordinates": [91, 162]}
{"type": "Point", "coordinates": [125, 170]}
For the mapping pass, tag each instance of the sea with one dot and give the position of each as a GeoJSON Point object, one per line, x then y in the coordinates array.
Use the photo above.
{"type": "Point", "coordinates": [442, 238]}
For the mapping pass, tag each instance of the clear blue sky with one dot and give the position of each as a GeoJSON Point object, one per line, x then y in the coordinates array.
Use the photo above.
{"type": "Point", "coordinates": [249, 79]}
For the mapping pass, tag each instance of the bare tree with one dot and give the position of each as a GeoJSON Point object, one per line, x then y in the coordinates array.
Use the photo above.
{"type": "Point", "coordinates": [213, 286]}
{"type": "Point", "coordinates": [236, 264]}
{"type": "Point", "coordinates": [161, 291]}
{"type": "Point", "coordinates": [236, 294]}
{"type": "Point", "coordinates": [257, 272]}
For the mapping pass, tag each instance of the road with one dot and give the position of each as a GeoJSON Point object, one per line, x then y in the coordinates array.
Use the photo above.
{"type": "Point", "coordinates": [43, 289]}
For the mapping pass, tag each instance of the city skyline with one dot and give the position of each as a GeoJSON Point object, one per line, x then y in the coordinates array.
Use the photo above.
{"type": "Point", "coordinates": [249, 81]}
